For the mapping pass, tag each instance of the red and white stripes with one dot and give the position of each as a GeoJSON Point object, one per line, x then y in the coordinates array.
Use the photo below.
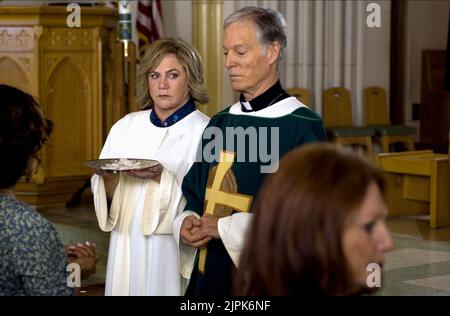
{"type": "Point", "coordinates": [148, 23]}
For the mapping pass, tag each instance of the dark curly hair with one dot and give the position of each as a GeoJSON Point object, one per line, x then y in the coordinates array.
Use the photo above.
{"type": "Point", "coordinates": [23, 131]}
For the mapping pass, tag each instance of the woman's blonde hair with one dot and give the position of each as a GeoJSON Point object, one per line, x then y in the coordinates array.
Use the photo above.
{"type": "Point", "coordinates": [187, 56]}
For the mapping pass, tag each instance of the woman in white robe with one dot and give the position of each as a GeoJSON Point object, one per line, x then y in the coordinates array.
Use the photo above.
{"type": "Point", "coordinates": [139, 206]}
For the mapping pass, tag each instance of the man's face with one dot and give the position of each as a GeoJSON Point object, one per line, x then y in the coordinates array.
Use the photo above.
{"type": "Point", "coordinates": [251, 65]}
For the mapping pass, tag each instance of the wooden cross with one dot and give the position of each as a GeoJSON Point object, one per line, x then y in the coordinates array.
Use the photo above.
{"type": "Point", "coordinates": [214, 195]}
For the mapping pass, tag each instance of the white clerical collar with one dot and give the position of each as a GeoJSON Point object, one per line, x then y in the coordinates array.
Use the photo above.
{"type": "Point", "coordinates": [281, 108]}
{"type": "Point", "coordinates": [247, 105]}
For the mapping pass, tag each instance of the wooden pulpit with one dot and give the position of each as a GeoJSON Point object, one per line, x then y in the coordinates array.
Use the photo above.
{"type": "Point", "coordinates": [70, 71]}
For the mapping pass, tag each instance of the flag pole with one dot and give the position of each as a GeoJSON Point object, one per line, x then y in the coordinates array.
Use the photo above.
{"type": "Point", "coordinates": [129, 54]}
{"type": "Point", "coordinates": [125, 32]}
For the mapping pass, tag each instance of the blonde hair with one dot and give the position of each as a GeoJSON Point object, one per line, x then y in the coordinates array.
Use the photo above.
{"type": "Point", "coordinates": [187, 56]}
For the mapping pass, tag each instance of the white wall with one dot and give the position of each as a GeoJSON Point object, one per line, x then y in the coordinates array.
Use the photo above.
{"type": "Point", "coordinates": [377, 41]}
{"type": "Point", "coordinates": [426, 28]}
{"type": "Point", "coordinates": [375, 55]}
{"type": "Point", "coordinates": [177, 17]}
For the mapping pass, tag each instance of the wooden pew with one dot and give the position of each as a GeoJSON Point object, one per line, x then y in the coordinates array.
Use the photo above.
{"type": "Point", "coordinates": [417, 182]}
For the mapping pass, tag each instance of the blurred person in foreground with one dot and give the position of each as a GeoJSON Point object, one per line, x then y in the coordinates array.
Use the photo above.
{"type": "Point", "coordinates": [33, 260]}
{"type": "Point", "coordinates": [319, 225]}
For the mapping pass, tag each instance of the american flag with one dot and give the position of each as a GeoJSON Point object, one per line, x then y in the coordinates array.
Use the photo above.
{"type": "Point", "coordinates": [148, 23]}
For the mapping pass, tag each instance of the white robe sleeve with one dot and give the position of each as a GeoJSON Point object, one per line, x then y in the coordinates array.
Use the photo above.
{"type": "Point", "coordinates": [106, 219]}
{"type": "Point", "coordinates": [186, 252]}
{"type": "Point", "coordinates": [160, 205]}
{"type": "Point", "coordinates": [232, 231]}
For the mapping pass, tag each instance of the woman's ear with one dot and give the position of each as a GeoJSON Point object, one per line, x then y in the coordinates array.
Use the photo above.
{"type": "Point", "coordinates": [31, 167]}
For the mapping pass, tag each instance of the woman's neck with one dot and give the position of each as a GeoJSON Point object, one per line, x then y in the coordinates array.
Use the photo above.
{"type": "Point", "coordinates": [11, 191]}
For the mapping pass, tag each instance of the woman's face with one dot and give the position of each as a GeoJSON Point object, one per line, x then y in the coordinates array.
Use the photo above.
{"type": "Point", "coordinates": [168, 86]}
{"type": "Point", "coordinates": [366, 237]}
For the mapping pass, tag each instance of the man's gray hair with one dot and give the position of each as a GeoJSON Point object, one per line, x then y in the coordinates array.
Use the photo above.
{"type": "Point", "coordinates": [270, 25]}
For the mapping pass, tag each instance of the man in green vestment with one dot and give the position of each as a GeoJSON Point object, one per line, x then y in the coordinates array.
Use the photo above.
{"type": "Point", "coordinates": [240, 145]}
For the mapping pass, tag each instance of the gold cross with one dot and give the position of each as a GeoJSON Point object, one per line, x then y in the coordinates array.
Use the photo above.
{"type": "Point", "coordinates": [213, 196]}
